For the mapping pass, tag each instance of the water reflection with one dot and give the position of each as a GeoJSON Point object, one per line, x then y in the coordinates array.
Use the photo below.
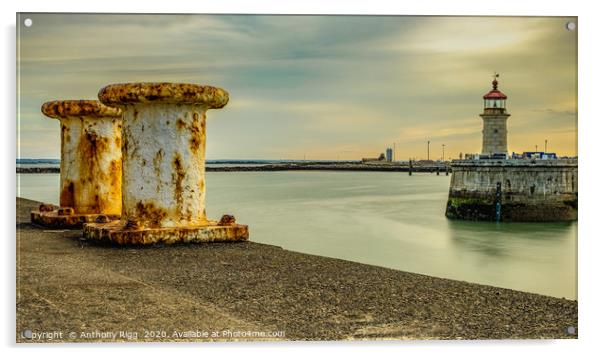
{"type": "Point", "coordinates": [526, 256]}
{"type": "Point", "coordinates": [499, 238]}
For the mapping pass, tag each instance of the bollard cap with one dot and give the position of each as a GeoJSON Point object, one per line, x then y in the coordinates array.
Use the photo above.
{"type": "Point", "coordinates": [175, 93]}
{"type": "Point", "coordinates": [91, 108]}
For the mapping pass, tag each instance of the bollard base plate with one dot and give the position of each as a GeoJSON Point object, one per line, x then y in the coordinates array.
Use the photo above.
{"type": "Point", "coordinates": [52, 219]}
{"type": "Point", "coordinates": [116, 232]}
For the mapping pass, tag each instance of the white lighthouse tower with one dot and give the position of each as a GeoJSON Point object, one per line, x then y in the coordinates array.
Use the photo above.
{"type": "Point", "coordinates": [494, 122]}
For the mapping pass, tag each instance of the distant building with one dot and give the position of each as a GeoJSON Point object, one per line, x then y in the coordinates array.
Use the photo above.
{"type": "Point", "coordinates": [380, 158]}
{"type": "Point", "coordinates": [389, 154]}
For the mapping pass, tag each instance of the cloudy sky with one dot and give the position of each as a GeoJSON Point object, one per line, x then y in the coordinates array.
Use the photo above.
{"type": "Point", "coordinates": [320, 87]}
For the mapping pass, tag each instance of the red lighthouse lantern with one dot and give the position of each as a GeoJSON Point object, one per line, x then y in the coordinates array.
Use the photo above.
{"type": "Point", "coordinates": [495, 100]}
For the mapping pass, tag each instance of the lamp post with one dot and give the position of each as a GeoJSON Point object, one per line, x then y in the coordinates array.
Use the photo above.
{"type": "Point", "coordinates": [428, 148]}
{"type": "Point", "coordinates": [546, 146]}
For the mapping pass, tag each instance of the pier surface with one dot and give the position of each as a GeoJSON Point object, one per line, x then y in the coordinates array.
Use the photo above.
{"type": "Point", "coordinates": [239, 290]}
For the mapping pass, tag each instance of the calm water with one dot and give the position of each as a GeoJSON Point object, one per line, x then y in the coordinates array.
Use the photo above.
{"type": "Point", "coordinates": [385, 219]}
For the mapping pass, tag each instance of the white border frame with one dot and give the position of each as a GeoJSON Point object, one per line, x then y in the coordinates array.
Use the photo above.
{"type": "Point", "coordinates": [589, 234]}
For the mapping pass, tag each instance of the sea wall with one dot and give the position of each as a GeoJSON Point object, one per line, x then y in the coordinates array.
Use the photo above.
{"type": "Point", "coordinates": [529, 190]}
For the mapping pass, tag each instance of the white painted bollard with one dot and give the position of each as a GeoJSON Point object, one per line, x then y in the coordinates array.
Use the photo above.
{"type": "Point", "coordinates": [164, 165]}
{"type": "Point", "coordinates": [90, 176]}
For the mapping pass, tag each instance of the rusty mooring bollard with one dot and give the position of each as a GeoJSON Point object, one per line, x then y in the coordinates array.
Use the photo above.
{"type": "Point", "coordinates": [164, 166]}
{"type": "Point", "coordinates": [90, 164]}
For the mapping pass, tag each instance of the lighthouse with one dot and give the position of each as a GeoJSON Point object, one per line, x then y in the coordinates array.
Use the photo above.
{"type": "Point", "coordinates": [494, 122]}
{"type": "Point", "coordinates": [492, 187]}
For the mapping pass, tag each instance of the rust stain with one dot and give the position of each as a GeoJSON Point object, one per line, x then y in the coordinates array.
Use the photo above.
{"type": "Point", "coordinates": [187, 215]}
{"type": "Point", "coordinates": [149, 214]}
{"type": "Point", "coordinates": [65, 211]}
{"type": "Point", "coordinates": [227, 220]}
{"type": "Point", "coordinates": [68, 194]}
{"type": "Point", "coordinates": [115, 173]}
{"type": "Point", "coordinates": [64, 218]}
{"type": "Point", "coordinates": [101, 219]}
{"type": "Point", "coordinates": [90, 108]}
{"type": "Point", "coordinates": [157, 166]}
{"type": "Point", "coordinates": [195, 143]}
{"type": "Point", "coordinates": [161, 92]}
{"type": "Point", "coordinates": [124, 142]}
{"type": "Point", "coordinates": [93, 173]}
{"type": "Point", "coordinates": [157, 161]}
{"type": "Point", "coordinates": [196, 133]}
{"type": "Point", "coordinates": [132, 224]}
{"type": "Point", "coordinates": [65, 137]}
{"type": "Point", "coordinates": [177, 177]}
{"type": "Point", "coordinates": [118, 233]}
{"type": "Point", "coordinates": [180, 124]}
{"type": "Point", "coordinates": [92, 147]}
{"type": "Point", "coordinates": [46, 207]}
{"type": "Point", "coordinates": [113, 200]}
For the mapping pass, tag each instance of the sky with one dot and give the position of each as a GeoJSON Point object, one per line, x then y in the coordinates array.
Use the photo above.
{"type": "Point", "coordinates": [315, 87]}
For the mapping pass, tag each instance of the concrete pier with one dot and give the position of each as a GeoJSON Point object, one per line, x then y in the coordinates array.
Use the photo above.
{"type": "Point", "coordinates": [164, 165]}
{"type": "Point", "coordinates": [90, 164]}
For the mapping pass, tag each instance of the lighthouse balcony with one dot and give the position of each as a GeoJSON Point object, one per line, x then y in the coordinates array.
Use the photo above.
{"type": "Point", "coordinates": [494, 111]}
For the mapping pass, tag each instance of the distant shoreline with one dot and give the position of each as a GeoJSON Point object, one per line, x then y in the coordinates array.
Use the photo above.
{"type": "Point", "coordinates": [309, 166]}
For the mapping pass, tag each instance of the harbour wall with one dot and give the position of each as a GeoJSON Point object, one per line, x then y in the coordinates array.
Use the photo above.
{"type": "Point", "coordinates": [527, 190]}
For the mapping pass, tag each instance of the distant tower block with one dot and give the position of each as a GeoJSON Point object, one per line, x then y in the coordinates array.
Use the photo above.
{"type": "Point", "coordinates": [494, 122]}
{"type": "Point", "coordinates": [90, 164]}
{"type": "Point", "coordinates": [164, 166]}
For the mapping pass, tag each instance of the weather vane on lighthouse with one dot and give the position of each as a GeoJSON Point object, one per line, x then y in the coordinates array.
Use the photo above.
{"type": "Point", "coordinates": [495, 76]}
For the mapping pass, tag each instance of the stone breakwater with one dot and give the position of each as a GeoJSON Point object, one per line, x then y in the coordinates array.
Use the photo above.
{"type": "Point", "coordinates": [289, 167]}
{"type": "Point", "coordinates": [38, 170]}
{"type": "Point", "coordinates": [526, 190]}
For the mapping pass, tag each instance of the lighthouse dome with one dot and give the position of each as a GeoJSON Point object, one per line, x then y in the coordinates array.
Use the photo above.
{"type": "Point", "coordinates": [495, 93]}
